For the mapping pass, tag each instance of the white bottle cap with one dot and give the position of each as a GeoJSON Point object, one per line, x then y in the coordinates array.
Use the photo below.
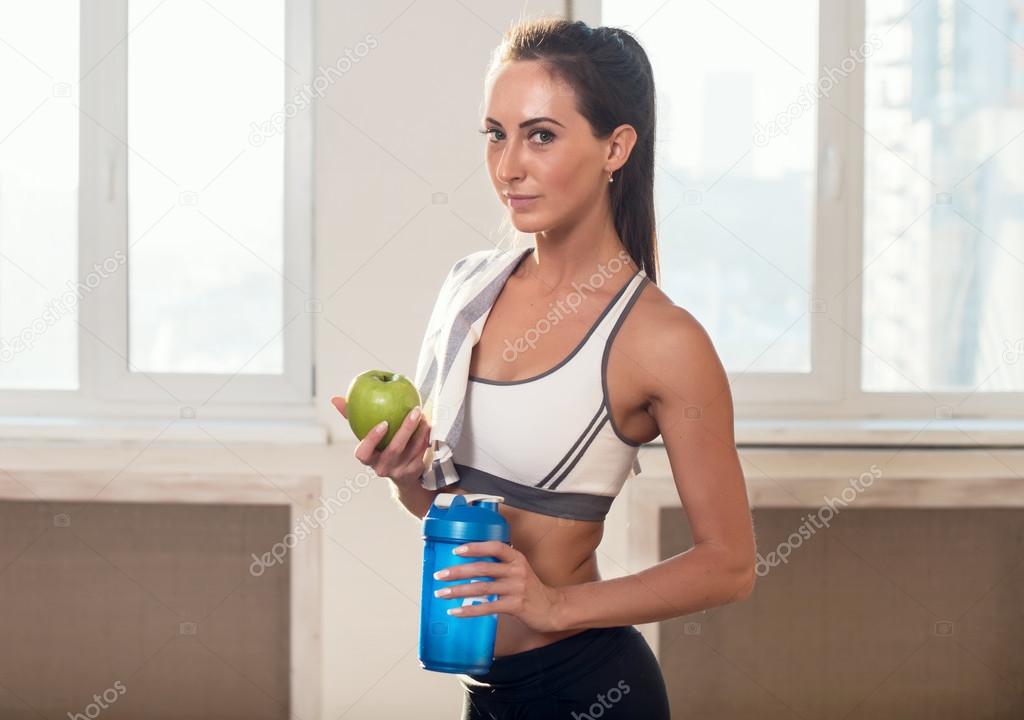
{"type": "Point", "coordinates": [444, 500]}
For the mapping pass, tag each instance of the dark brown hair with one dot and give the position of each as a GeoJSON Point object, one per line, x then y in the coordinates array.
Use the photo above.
{"type": "Point", "coordinates": [612, 79]}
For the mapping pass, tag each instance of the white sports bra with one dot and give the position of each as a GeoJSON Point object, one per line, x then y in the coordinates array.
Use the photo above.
{"type": "Point", "coordinates": [548, 443]}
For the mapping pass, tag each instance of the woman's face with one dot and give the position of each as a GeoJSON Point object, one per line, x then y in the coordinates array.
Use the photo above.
{"type": "Point", "coordinates": [539, 146]}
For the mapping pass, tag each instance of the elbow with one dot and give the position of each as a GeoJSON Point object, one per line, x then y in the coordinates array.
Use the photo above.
{"type": "Point", "coordinates": [744, 581]}
{"type": "Point", "coordinates": [737, 574]}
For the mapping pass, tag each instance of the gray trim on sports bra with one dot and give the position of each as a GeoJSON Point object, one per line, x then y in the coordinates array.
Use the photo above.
{"type": "Point", "coordinates": [577, 506]}
{"type": "Point", "coordinates": [579, 346]}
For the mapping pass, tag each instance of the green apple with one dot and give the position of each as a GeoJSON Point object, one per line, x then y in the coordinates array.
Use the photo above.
{"type": "Point", "coordinates": [377, 395]}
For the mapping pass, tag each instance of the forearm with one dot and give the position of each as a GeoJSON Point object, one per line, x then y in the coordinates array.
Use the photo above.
{"type": "Point", "coordinates": [697, 579]}
{"type": "Point", "coordinates": [413, 496]}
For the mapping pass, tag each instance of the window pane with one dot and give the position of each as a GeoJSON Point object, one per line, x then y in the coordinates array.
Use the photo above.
{"type": "Point", "coordinates": [734, 185]}
{"type": "Point", "coordinates": [205, 191]}
{"type": "Point", "coordinates": [39, 195]}
{"type": "Point", "coordinates": [944, 198]}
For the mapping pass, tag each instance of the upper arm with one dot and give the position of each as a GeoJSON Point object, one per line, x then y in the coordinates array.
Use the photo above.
{"type": "Point", "coordinates": [691, 402]}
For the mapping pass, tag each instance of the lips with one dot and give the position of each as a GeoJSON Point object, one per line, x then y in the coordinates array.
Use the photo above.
{"type": "Point", "coordinates": [519, 202]}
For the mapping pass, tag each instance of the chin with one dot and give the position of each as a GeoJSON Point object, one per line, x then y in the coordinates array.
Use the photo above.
{"type": "Point", "coordinates": [526, 224]}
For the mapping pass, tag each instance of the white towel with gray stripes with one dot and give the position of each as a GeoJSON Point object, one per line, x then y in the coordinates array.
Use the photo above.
{"type": "Point", "coordinates": [442, 370]}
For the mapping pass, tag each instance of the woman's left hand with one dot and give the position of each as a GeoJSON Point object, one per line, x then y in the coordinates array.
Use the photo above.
{"type": "Point", "coordinates": [520, 592]}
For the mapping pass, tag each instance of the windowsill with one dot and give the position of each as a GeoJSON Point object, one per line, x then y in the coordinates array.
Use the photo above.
{"type": "Point", "coordinates": [91, 431]}
{"type": "Point", "coordinates": [951, 433]}
{"type": "Point", "coordinates": [944, 433]}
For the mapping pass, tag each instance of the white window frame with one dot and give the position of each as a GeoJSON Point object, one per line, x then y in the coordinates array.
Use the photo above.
{"type": "Point", "coordinates": [832, 390]}
{"type": "Point", "coordinates": [107, 387]}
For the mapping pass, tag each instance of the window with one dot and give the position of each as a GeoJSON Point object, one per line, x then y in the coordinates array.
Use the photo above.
{"type": "Point", "coordinates": [155, 209]}
{"type": "Point", "coordinates": [744, 206]}
{"type": "Point", "coordinates": [944, 200]}
{"type": "Point", "coordinates": [840, 198]}
{"type": "Point", "coordinates": [205, 205]}
{"type": "Point", "coordinates": [38, 196]}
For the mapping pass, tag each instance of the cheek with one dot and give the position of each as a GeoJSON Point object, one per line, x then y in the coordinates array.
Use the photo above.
{"type": "Point", "coordinates": [557, 171]}
{"type": "Point", "coordinates": [565, 176]}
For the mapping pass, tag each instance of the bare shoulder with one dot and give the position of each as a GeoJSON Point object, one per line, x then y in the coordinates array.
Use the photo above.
{"type": "Point", "coordinates": [676, 357]}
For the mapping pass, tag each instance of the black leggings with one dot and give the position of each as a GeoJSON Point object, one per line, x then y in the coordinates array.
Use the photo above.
{"type": "Point", "coordinates": [603, 673]}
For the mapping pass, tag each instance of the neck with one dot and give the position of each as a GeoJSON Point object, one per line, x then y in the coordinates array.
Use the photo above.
{"type": "Point", "coordinates": [579, 253]}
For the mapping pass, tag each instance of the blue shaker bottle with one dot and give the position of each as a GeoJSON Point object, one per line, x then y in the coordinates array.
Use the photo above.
{"type": "Point", "coordinates": [449, 643]}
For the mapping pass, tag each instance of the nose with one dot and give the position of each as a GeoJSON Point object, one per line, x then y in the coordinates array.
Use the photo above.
{"type": "Point", "coordinates": [509, 167]}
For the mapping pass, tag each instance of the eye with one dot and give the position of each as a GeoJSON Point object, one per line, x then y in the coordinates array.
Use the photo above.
{"type": "Point", "coordinates": [488, 131]}
{"type": "Point", "coordinates": [543, 132]}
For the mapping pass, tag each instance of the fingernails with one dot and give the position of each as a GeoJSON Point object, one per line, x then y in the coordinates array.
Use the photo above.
{"type": "Point", "coordinates": [442, 592]}
{"type": "Point", "coordinates": [382, 426]}
{"type": "Point", "coordinates": [414, 416]}
{"type": "Point", "coordinates": [441, 574]}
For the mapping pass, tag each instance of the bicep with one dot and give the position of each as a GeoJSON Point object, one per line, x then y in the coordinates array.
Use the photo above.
{"type": "Point", "coordinates": [692, 404]}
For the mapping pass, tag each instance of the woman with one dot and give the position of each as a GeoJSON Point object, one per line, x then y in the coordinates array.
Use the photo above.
{"type": "Point", "coordinates": [570, 126]}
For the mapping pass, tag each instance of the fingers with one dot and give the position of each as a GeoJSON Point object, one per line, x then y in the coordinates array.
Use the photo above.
{"type": "Point", "coordinates": [476, 569]}
{"type": "Point", "coordinates": [400, 451]}
{"type": "Point", "coordinates": [490, 548]}
{"type": "Point", "coordinates": [340, 403]}
{"type": "Point", "coordinates": [510, 605]}
{"type": "Point", "coordinates": [412, 460]}
{"type": "Point", "coordinates": [393, 454]}
{"type": "Point", "coordinates": [484, 587]}
{"type": "Point", "coordinates": [366, 452]}
{"type": "Point", "coordinates": [419, 442]}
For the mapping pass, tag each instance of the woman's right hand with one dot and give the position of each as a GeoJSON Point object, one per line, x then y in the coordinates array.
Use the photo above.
{"type": "Point", "coordinates": [403, 459]}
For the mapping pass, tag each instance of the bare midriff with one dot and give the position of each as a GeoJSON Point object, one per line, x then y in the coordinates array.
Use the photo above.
{"type": "Point", "coordinates": [561, 551]}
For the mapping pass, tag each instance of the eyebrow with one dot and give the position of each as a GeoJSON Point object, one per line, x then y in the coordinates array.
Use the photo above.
{"type": "Point", "coordinates": [527, 123]}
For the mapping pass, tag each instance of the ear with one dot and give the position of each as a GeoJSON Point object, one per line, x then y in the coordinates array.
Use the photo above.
{"type": "Point", "coordinates": [620, 145]}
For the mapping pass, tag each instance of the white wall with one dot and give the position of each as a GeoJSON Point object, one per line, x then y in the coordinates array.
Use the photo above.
{"type": "Point", "coordinates": [399, 126]}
